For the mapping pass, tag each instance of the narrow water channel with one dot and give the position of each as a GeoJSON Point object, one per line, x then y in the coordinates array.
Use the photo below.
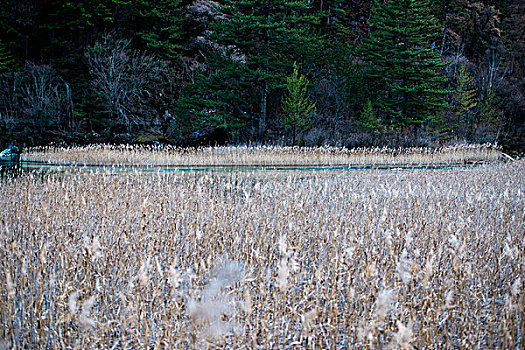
{"type": "Point", "coordinates": [29, 166]}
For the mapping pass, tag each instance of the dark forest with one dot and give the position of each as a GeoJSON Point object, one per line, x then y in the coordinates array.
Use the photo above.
{"type": "Point", "coordinates": [344, 73]}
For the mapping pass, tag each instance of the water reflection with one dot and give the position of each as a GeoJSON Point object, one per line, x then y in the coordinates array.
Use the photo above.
{"type": "Point", "coordinates": [8, 168]}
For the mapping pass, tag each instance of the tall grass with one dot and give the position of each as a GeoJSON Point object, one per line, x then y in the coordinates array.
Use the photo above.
{"type": "Point", "coordinates": [332, 259]}
{"type": "Point", "coordinates": [261, 155]}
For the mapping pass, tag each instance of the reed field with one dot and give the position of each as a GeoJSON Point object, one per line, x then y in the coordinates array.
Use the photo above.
{"type": "Point", "coordinates": [402, 259]}
{"type": "Point", "coordinates": [126, 155]}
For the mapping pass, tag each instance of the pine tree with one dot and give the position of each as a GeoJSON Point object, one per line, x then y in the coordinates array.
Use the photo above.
{"type": "Point", "coordinates": [71, 26]}
{"type": "Point", "coordinates": [337, 72]}
{"type": "Point", "coordinates": [260, 38]}
{"type": "Point", "coordinates": [465, 98]}
{"type": "Point", "coordinates": [216, 98]}
{"type": "Point", "coordinates": [295, 103]}
{"type": "Point", "coordinates": [487, 110]}
{"type": "Point", "coordinates": [157, 26]}
{"type": "Point", "coordinates": [19, 29]}
{"type": "Point", "coordinates": [368, 119]}
{"type": "Point", "coordinates": [404, 63]}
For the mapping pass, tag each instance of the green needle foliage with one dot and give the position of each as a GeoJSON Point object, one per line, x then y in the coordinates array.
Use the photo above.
{"type": "Point", "coordinates": [295, 103]}
{"type": "Point", "coordinates": [403, 62]}
{"type": "Point", "coordinates": [465, 101]}
{"type": "Point", "coordinates": [159, 27]}
{"type": "Point", "coordinates": [6, 60]}
{"type": "Point", "coordinates": [368, 119]}
{"type": "Point", "coordinates": [488, 111]}
{"type": "Point", "coordinates": [215, 99]}
{"type": "Point", "coordinates": [374, 67]}
{"type": "Point", "coordinates": [259, 39]}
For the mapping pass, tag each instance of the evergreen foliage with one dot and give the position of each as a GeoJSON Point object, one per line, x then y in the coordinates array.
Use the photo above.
{"type": "Point", "coordinates": [6, 59]}
{"type": "Point", "coordinates": [259, 38]}
{"type": "Point", "coordinates": [488, 111]}
{"type": "Point", "coordinates": [296, 105]}
{"type": "Point", "coordinates": [403, 62]}
{"type": "Point", "coordinates": [377, 69]}
{"type": "Point", "coordinates": [466, 98]}
{"type": "Point", "coordinates": [214, 99]}
{"type": "Point", "coordinates": [68, 27]}
{"type": "Point", "coordinates": [158, 27]}
{"type": "Point", "coordinates": [368, 119]}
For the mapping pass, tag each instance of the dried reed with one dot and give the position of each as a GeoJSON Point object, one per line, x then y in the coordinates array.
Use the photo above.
{"type": "Point", "coordinates": [261, 155]}
{"type": "Point", "coordinates": [332, 259]}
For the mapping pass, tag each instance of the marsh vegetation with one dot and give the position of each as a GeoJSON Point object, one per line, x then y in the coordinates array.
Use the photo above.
{"type": "Point", "coordinates": [231, 156]}
{"type": "Point", "coordinates": [332, 259]}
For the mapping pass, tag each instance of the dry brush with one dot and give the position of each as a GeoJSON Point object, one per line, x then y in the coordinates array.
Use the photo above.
{"type": "Point", "coordinates": [328, 259]}
{"type": "Point", "coordinates": [126, 155]}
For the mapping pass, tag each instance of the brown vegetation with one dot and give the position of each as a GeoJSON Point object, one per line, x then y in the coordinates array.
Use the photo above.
{"type": "Point", "coordinates": [419, 258]}
{"type": "Point", "coordinates": [127, 155]}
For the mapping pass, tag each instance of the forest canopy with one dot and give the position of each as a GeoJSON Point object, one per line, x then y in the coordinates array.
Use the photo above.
{"type": "Point", "coordinates": [398, 73]}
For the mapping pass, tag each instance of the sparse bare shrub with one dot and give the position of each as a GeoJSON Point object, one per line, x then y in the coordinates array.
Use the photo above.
{"type": "Point", "coordinates": [10, 99]}
{"type": "Point", "coordinates": [47, 98]}
{"type": "Point", "coordinates": [127, 80]}
{"type": "Point", "coordinates": [35, 97]}
{"type": "Point", "coordinates": [316, 137]}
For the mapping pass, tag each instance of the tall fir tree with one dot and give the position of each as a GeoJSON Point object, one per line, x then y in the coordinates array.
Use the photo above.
{"type": "Point", "coordinates": [295, 104]}
{"type": "Point", "coordinates": [157, 27]}
{"type": "Point", "coordinates": [71, 26]}
{"type": "Point", "coordinates": [338, 86]}
{"type": "Point", "coordinates": [403, 62]}
{"type": "Point", "coordinates": [465, 99]}
{"type": "Point", "coordinates": [215, 98]}
{"type": "Point", "coordinates": [19, 28]}
{"type": "Point", "coordinates": [260, 38]}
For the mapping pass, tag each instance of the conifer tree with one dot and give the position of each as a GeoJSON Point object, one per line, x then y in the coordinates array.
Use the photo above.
{"type": "Point", "coordinates": [158, 27]}
{"type": "Point", "coordinates": [260, 38]}
{"type": "Point", "coordinates": [71, 26]}
{"type": "Point", "coordinates": [403, 62]}
{"type": "Point", "coordinates": [465, 98]}
{"type": "Point", "coordinates": [368, 119]}
{"type": "Point", "coordinates": [336, 70]}
{"type": "Point", "coordinates": [217, 98]}
{"type": "Point", "coordinates": [295, 103]}
{"type": "Point", "coordinates": [487, 109]}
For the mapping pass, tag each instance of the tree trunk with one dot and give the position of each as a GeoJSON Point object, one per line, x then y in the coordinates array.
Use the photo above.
{"type": "Point", "coordinates": [262, 120]}
{"type": "Point", "coordinates": [293, 132]}
{"type": "Point", "coordinates": [444, 32]}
